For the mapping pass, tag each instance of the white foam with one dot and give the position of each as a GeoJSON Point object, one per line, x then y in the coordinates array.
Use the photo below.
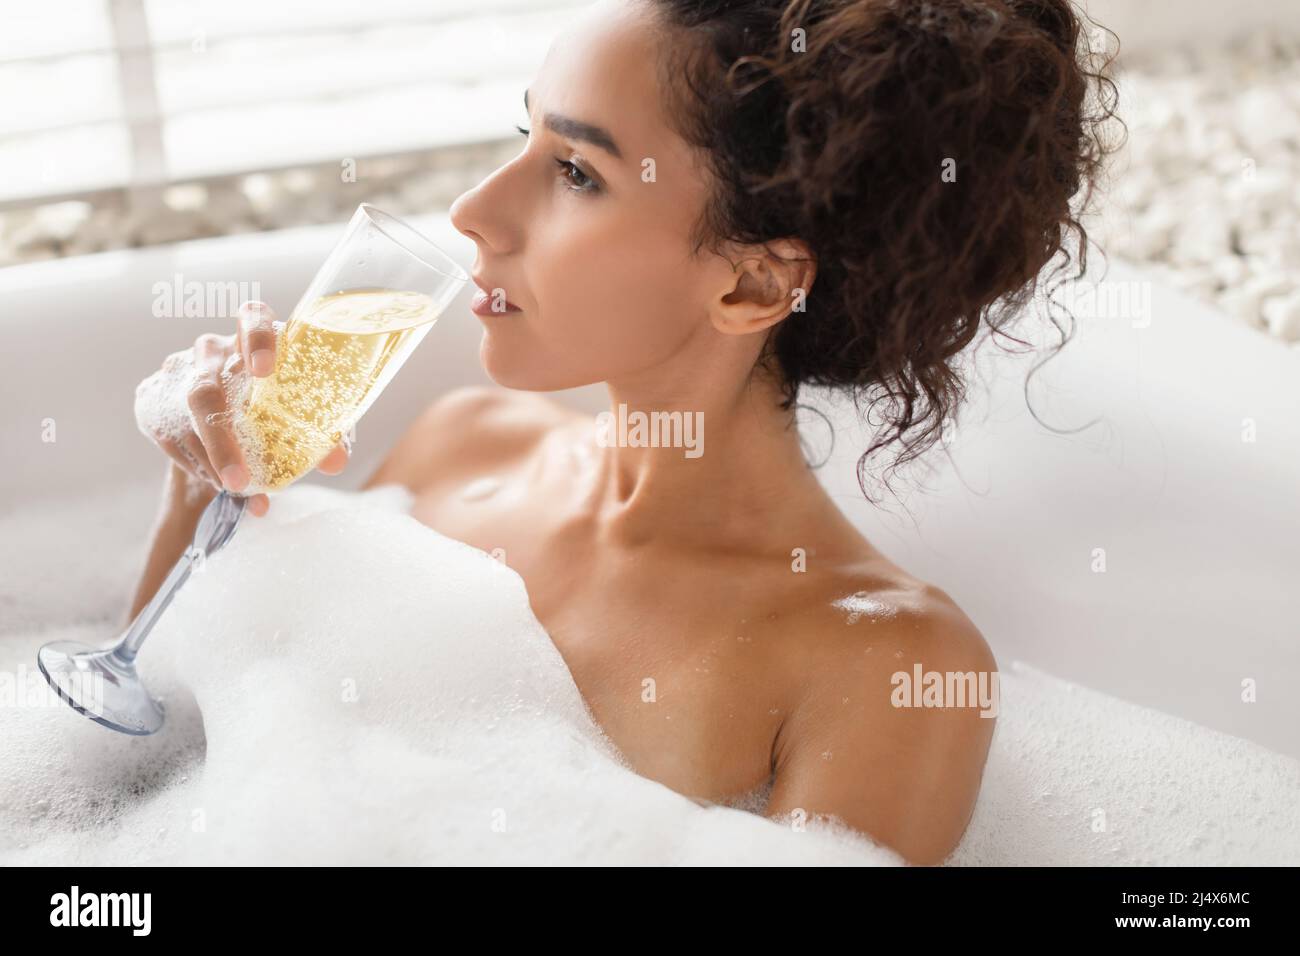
{"type": "Point", "coordinates": [1080, 778]}
{"type": "Point", "coordinates": [162, 403]}
{"type": "Point", "coordinates": [161, 409]}
{"type": "Point", "coordinates": [467, 740]}
{"type": "Point", "coordinates": [359, 688]}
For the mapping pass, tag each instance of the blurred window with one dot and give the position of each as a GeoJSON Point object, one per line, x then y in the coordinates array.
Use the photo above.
{"type": "Point", "coordinates": [105, 94]}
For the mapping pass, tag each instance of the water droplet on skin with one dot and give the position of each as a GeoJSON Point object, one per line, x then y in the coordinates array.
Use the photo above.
{"type": "Point", "coordinates": [863, 604]}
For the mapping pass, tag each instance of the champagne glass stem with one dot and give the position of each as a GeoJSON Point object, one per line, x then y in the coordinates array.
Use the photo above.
{"type": "Point", "coordinates": [215, 527]}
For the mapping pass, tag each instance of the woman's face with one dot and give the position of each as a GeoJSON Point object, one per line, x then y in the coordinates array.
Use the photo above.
{"type": "Point", "coordinates": [587, 230]}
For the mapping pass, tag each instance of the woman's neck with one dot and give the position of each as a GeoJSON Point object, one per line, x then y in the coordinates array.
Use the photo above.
{"type": "Point", "coordinates": [697, 464]}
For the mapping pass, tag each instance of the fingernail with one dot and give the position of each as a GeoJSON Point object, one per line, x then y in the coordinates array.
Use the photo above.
{"type": "Point", "coordinates": [233, 477]}
{"type": "Point", "coordinates": [263, 362]}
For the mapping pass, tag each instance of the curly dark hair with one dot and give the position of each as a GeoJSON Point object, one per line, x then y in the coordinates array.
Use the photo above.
{"type": "Point", "coordinates": [834, 121]}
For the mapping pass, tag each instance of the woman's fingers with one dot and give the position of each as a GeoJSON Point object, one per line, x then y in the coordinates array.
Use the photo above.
{"type": "Point", "coordinates": [335, 461]}
{"type": "Point", "coordinates": [257, 338]}
{"type": "Point", "coordinates": [202, 377]}
{"type": "Point", "coordinates": [200, 463]}
{"type": "Point", "coordinates": [173, 449]}
{"type": "Point", "coordinates": [207, 402]}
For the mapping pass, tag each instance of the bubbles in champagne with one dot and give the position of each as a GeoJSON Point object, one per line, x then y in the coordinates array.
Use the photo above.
{"type": "Point", "coordinates": [332, 355]}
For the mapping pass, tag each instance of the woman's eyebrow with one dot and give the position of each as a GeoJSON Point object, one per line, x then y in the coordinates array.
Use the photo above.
{"type": "Point", "coordinates": [571, 128]}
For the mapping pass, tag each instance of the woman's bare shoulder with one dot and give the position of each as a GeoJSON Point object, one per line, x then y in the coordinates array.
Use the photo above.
{"type": "Point", "coordinates": [856, 745]}
{"type": "Point", "coordinates": [877, 599]}
{"type": "Point", "coordinates": [466, 430]}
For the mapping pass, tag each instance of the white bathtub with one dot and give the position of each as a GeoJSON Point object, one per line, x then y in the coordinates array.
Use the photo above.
{"type": "Point", "coordinates": [1201, 529]}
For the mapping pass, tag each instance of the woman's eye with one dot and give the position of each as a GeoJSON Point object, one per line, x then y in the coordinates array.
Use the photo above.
{"type": "Point", "coordinates": [580, 180]}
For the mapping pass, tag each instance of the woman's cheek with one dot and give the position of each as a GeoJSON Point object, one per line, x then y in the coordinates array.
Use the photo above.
{"type": "Point", "coordinates": [612, 295]}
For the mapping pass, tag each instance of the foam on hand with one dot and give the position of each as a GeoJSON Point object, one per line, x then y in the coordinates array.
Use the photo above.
{"type": "Point", "coordinates": [162, 410]}
{"type": "Point", "coordinates": [161, 407]}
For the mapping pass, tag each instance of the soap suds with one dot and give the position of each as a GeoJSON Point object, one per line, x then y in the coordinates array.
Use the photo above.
{"type": "Point", "coordinates": [378, 693]}
{"type": "Point", "coordinates": [345, 685]}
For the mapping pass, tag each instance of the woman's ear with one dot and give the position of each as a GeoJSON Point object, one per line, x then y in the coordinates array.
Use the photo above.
{"type": "Point", "coordinates": [767, 282]}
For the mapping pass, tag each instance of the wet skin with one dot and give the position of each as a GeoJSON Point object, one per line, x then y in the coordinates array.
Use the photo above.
{"type": "Point", "coordinates": [712, 658]}
{"type": "Point", "coordinates": [707, 659]}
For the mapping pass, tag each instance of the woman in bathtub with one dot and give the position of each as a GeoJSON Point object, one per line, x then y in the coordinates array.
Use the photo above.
{"type": "Point", "coordinates": [714, 204]}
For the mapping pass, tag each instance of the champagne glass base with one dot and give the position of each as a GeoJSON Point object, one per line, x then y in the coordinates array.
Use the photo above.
{"type": "Point", "coordinates": [101, 684]}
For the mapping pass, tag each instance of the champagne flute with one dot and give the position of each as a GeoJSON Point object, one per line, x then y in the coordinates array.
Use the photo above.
{"type": "Point", "coordinates": [368, 307]}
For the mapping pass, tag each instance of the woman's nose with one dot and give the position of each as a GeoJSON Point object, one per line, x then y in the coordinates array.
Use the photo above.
{"type": "Point", "coordinates": [489, 213]}
{"type": "Point", "coordinates": [460, 216]}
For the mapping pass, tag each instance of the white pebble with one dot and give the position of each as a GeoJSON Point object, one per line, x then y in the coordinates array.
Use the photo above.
{"type": "Point", "coordinates": [1282, 316]}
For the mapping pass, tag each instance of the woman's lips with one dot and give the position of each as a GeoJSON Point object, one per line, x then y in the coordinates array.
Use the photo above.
{"type": "Point", "coordinates": [483, 302]}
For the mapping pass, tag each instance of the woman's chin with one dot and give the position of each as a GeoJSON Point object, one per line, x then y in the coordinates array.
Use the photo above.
{"type": "Point", "coordinates": [520, 369]}
{"type": "Point", "coordinates": [499, 368]}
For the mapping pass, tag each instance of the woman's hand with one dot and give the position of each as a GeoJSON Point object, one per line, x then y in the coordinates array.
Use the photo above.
{"type": "Point", "coordinates": [184, 406]}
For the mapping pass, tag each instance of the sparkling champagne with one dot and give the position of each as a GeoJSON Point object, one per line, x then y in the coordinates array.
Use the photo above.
{"type": "Point", "coordinates": [334, 354]}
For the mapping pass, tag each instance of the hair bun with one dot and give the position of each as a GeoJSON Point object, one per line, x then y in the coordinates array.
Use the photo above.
{"type": "Point", "coordinates": [927, 152]}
